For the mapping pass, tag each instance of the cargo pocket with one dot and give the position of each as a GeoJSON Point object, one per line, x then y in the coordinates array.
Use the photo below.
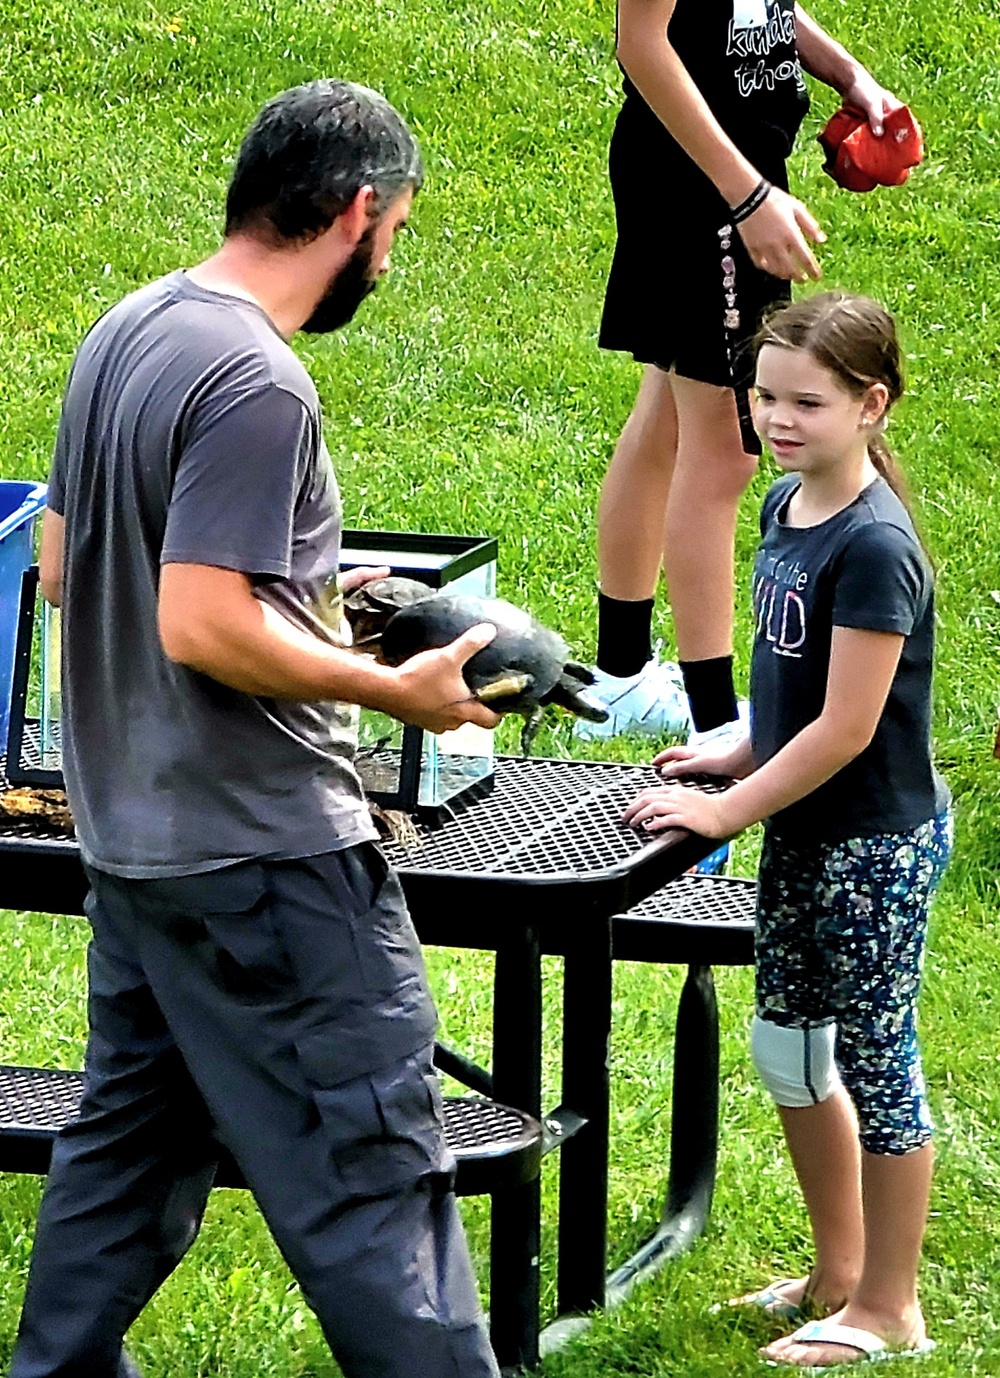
{"type": "Point", "coordinates": [231, 913]}
{"type": "Point", "coordinates": [385, 1129]}
{"type": "Point", "coordinates": [385, 941]}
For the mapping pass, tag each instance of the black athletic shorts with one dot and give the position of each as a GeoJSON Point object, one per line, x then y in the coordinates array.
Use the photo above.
{"type": "Point", "coordinates": [666, 294]}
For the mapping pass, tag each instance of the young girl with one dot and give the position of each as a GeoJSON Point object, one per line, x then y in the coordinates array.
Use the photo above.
{"type": "Point", "coordinates": [838, 764]}
{"type": "Point", "coordinates": [708, 237]}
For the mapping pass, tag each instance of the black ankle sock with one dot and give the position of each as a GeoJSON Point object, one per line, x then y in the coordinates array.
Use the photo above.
{"type": "Point", "coordinates": [709, 687]}
{"type": "Point", "coordinates": [623, 635]}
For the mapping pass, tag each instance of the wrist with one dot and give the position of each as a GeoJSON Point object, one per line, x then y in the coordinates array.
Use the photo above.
{"type": "Point", "coordinates": [742, 760]}
{"type": "Point", "coordinates": [750, 203]}
{"type": "Point", "coordinates": [731, 812]}
{"type": "Point", "coordinates": [846, 76]}
{"type": "Point", "coordinates": [372, 685]}
{"type": "Point", "coordinates": [736, 180]}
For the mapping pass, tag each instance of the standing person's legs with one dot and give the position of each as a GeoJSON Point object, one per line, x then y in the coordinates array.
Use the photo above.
{"type": "Point", "coordinates": [873, 931]}
{"type": "Point", "coordinates": [793, 1050]}
{"type": "Point", "coordinates": [823, 1143]}
{"type": "Point", "coordinates": [296, 991]}
{"type": "Point", "coordinates": [671, 498]}
{"type": "Point", "coordinates": [630, 521]}
{"type": "Point", "coordinates": [640, 694]}
{"type": "Point", "coordinates": [127, 1186]}
{"type": "Point", "coordinates": [710, 475]}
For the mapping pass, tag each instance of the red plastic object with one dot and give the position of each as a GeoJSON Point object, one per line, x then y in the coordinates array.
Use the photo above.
{"type": "Point", "coordinates": [858, 161]}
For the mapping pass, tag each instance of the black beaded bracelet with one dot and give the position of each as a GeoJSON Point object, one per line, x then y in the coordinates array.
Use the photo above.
{"type": "Point", "coordinates": [756, 198]}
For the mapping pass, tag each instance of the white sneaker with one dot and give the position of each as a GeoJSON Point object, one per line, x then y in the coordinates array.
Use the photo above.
{"type": "Point", "coordinates": [652, 702]}
{"type": "Point", "coordinates": [727, 733]}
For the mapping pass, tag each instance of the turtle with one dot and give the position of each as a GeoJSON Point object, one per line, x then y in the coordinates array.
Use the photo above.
{"type": "Point", "coordinates": [525, 668]}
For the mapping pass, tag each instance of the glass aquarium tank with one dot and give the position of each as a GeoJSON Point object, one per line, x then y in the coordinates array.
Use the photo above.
{"type": "Point", "coordinates": [406, 768]}
{"type": "Point", "coordinates": [34, 752]}
{"type": "Point", "coordinates": [401, 767]}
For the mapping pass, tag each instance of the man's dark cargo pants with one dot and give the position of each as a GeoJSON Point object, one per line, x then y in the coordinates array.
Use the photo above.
{"type": "Point", "coordinates": [282, 1009]}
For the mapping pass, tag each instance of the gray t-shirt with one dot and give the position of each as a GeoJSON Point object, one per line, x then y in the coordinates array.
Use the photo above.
{"type": "Point", "coordinates": [191, 434]}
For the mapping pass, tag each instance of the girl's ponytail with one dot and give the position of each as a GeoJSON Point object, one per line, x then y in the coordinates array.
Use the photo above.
{"type": "Point", "coordinates": [884, 461]}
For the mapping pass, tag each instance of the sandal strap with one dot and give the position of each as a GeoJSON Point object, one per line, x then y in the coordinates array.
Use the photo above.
{"type": "Point", "coordinates": [831, 1333]}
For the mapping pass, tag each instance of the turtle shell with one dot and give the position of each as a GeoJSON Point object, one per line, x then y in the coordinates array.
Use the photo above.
{"type": "Point", "coordinates": [369, 607]}
{"type": "Point", "coordinates": [521, 646]}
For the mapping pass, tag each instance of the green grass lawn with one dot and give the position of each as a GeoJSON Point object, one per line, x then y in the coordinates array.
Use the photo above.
{"type": "Point", "coordinates": [470, 397]}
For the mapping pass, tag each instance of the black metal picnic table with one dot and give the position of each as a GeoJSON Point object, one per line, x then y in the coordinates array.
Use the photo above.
{"type": "Point", "coordinates": [544, 865]}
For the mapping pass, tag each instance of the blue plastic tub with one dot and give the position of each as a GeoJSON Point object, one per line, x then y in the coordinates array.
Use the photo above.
{"type": "Point", "coordinates": [20, 504]}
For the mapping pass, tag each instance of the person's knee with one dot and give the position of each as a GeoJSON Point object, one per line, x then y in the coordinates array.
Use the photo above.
{"type": "Point", "coordinates": [710, 443]}
{"type": "Point", "coordinates": [896, 1133]}
{"type": "Point", "coordinates": [796, 1065]}
{"type": "Point", "coordinates": [712, 476]}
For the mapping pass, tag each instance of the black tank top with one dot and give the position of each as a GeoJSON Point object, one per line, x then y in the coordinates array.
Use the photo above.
{"type": "Point", "coordinates": [743, 58]}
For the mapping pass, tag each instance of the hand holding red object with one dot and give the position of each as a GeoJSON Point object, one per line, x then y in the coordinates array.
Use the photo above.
{"type": "Point", "coordinates": [858, 161]}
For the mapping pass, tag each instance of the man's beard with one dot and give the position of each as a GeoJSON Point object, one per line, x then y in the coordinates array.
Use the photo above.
{"type": "Point", "coordinates": [347, 290]}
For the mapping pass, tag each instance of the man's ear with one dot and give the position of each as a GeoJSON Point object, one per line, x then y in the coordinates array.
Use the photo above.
{"type": "Point", "coordinates": [357, 216]}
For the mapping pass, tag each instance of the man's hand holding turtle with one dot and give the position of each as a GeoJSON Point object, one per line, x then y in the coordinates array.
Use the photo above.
{"type": "Point", "coordinates": [429, 690]}
{"type": "Point", "coordinates": [351, 579]}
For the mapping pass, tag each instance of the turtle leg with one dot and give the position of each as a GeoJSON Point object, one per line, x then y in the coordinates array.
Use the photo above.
{"type": "Point", "coordinates": [574, 670]}
{"type": "Point", "coordinates": [566, 692]}
{"type": "Point", "coordinates": [532, 722]}
{"type": "Point", "coordinates": [510, 686]}
{"type": "Point", "coordinates": [397, 825]}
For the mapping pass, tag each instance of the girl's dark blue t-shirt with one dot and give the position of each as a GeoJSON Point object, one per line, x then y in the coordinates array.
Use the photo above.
{"type": "Point", "coordinates": [863, 568]}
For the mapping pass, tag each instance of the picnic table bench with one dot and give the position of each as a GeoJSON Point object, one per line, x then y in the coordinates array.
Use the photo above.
{"type": "Point", "coordinates": [541, 866]}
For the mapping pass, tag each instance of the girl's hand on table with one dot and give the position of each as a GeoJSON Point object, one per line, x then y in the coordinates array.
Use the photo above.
{"type": "Point", "coordinates": [674, 806]}
{"type": "Point", "coordinates": [733, 760]}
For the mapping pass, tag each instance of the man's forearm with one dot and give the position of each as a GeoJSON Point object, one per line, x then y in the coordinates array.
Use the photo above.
{"type": "Point", "coordinates": [256, 650]}
{"type": "Point", "coordinates": [50, 556]}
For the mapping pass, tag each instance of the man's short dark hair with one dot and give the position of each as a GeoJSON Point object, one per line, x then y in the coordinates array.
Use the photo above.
{"type": "Point", "coordinates": [308, 154]}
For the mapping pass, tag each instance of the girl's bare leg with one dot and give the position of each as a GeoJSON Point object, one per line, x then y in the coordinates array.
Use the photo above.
{"type": "Point", "coordinates": [710, 475]}
{"type": "Point", "coordinates": [896, 1192]}
{"type": "Point", "coordinates": [631, 512]}
{"type": "Point", "coordinates": [823, 1143]}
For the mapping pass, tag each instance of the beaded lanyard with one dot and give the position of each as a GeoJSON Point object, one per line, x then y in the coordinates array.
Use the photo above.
{"type": "Point", "coordinates": [731, 314]}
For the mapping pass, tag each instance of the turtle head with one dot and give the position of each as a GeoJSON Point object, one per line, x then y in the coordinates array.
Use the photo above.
{"type": "Point", "coordinates": [369, 607]}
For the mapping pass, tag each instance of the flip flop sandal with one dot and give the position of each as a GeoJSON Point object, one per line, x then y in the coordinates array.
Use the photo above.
{"type": "Point", "coordinates": [873, 1348]}
{"type": "Point", "coordinates": [770, 1300]}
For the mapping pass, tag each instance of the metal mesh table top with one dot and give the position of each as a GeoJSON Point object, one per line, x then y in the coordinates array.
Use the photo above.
{"type": "Point", "coordinates": [544, 819]}
{"type": "Point", "coordinates": [29, 829]}
{"type": "Point", "coordinates": [35, 1099]}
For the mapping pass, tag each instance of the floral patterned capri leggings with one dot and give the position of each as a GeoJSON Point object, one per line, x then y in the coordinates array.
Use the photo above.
{"type": "Point", "coordinates": [841, 929]}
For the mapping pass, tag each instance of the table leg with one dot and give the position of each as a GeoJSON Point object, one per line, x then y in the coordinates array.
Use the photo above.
{"type": "Point", "coordinates": [694, 1133]}
{"type": "Point", "coordinates": [583, 1164]}
{"type": "Point", "coordinates": [515, 1233]}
